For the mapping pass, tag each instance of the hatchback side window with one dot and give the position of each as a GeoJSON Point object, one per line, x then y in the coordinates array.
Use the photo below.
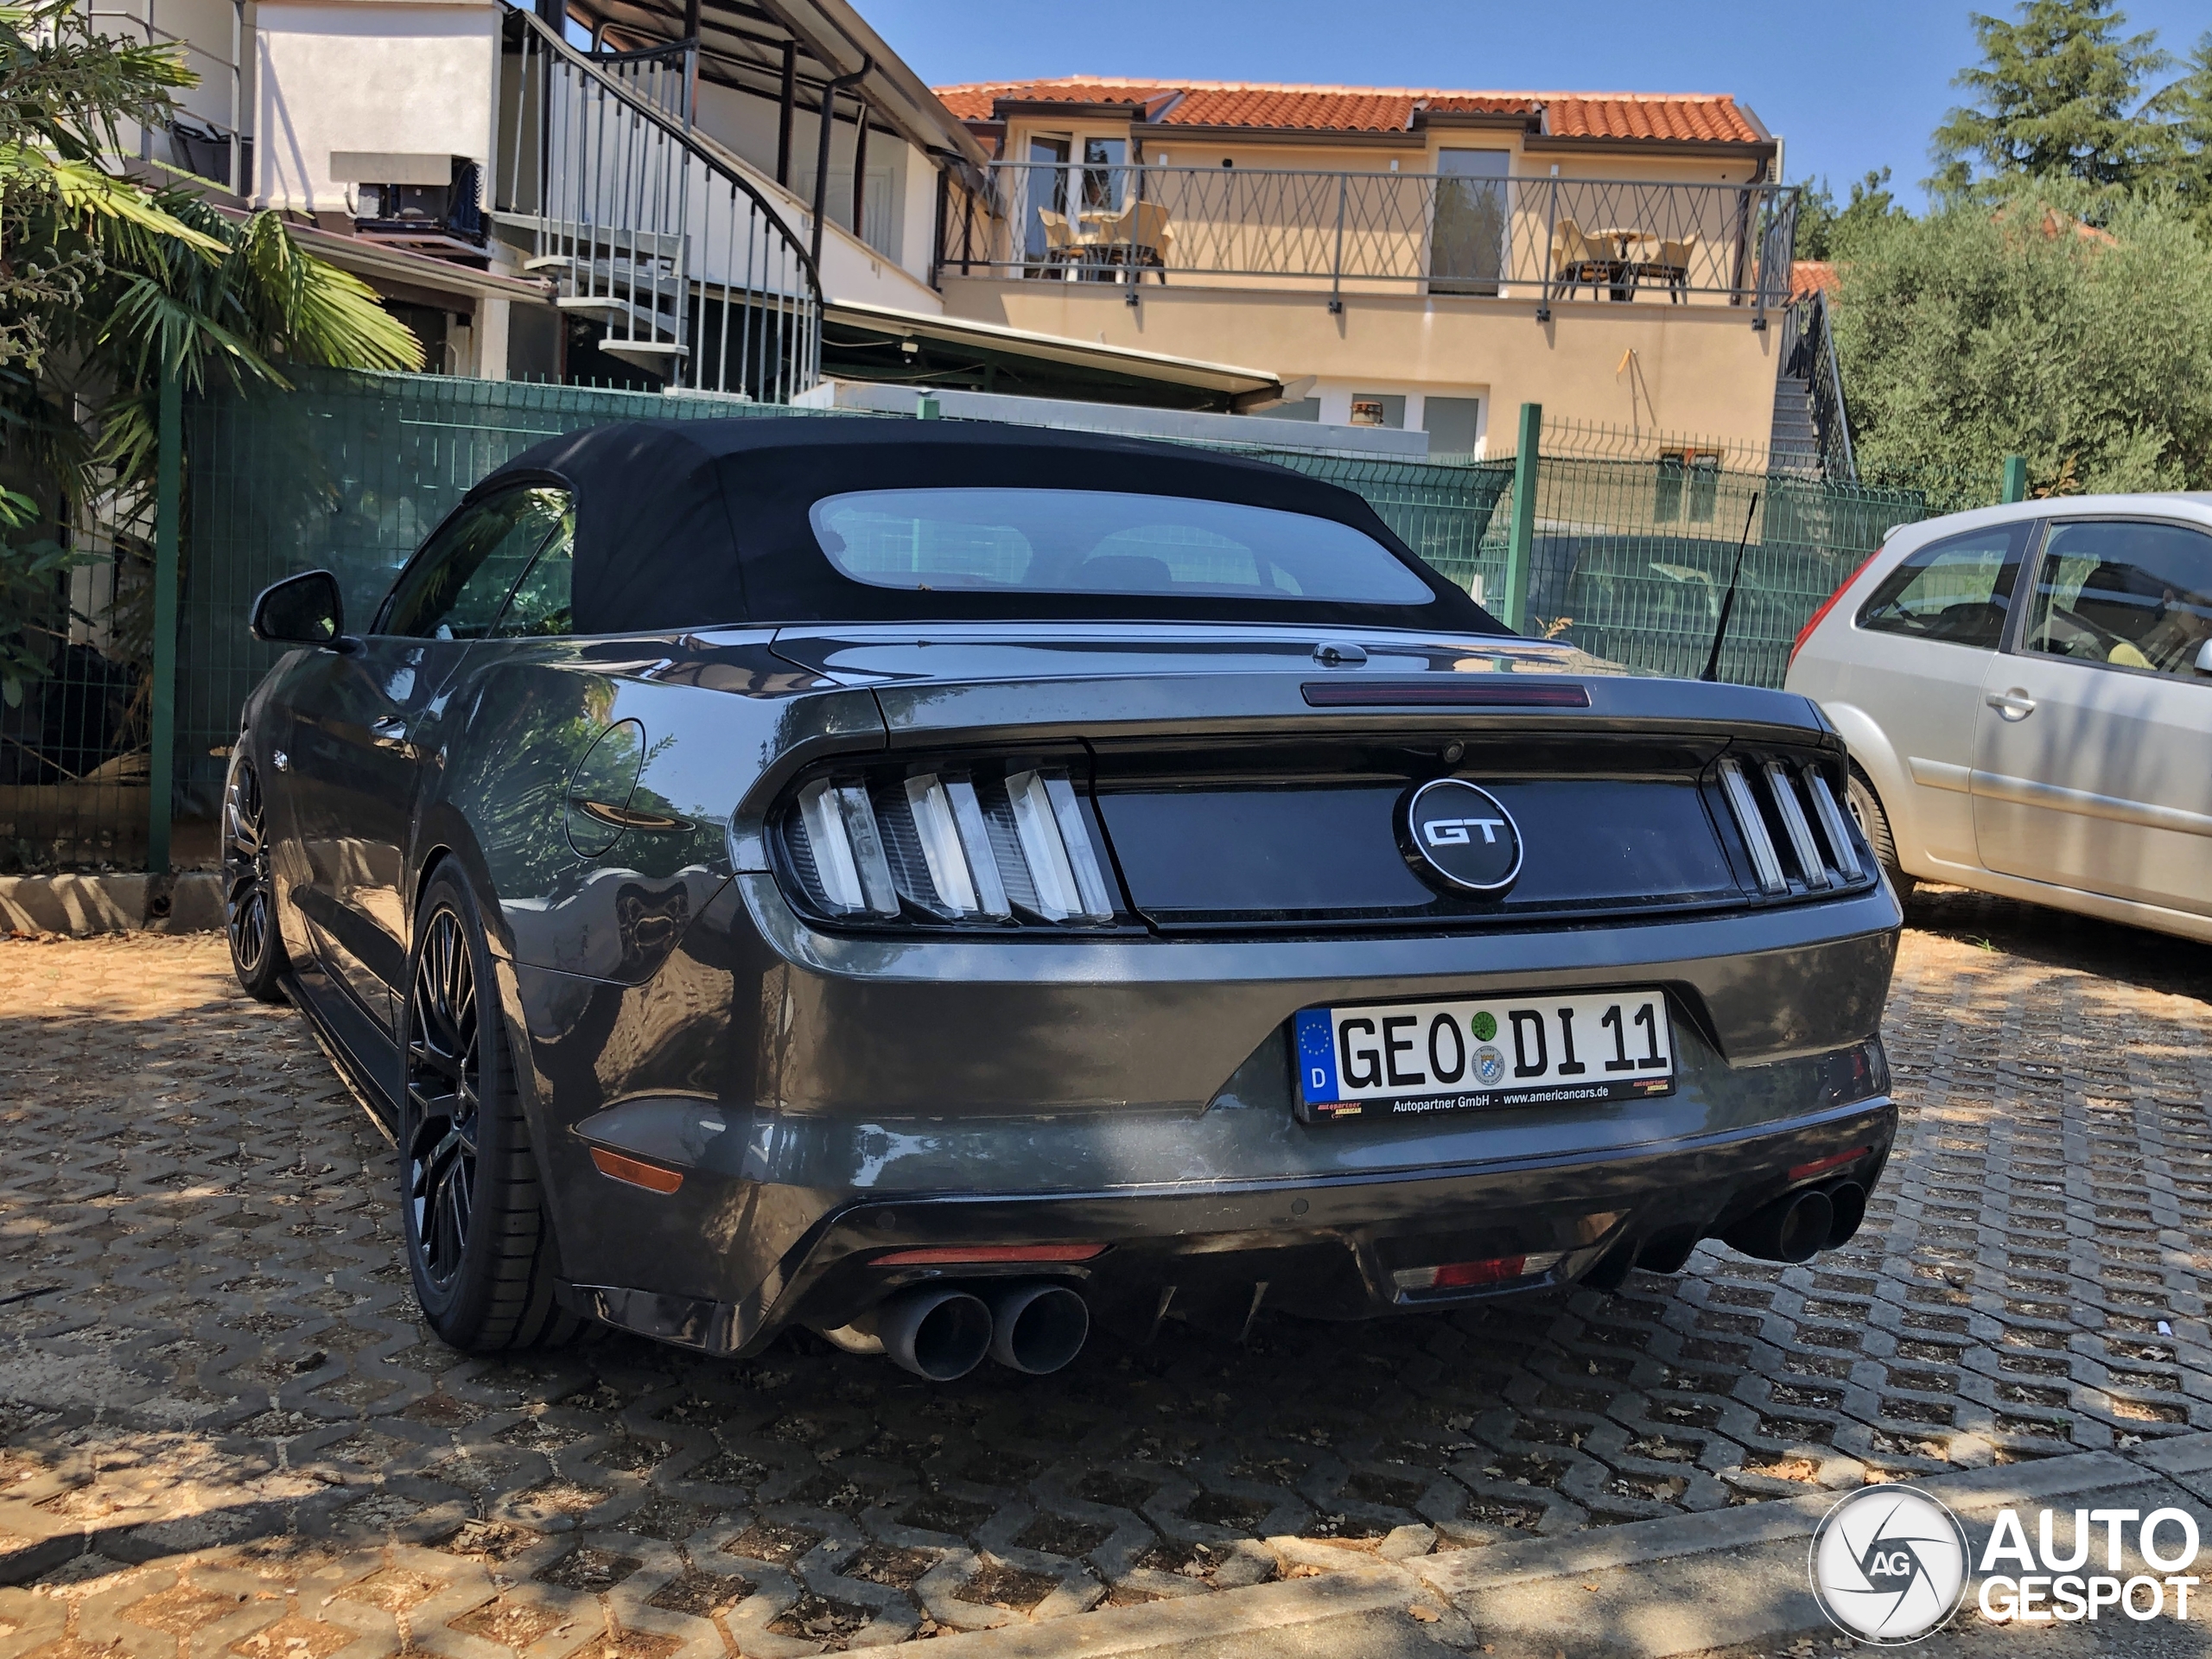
{"type": "Point", "coordinates": [539, 606]}
{"type": "Point", "coordinates": [455, 586]}
{"type": "Point", "coordinates": [2126, 595]}
{"type": "Point", "coordinates": [1957, 590]}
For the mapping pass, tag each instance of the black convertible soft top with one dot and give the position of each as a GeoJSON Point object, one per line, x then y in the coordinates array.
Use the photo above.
{"type": "Point", "coordinates": [693, 523]}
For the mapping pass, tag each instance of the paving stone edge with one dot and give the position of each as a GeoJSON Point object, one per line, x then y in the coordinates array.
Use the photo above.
{"type": "Point", "coordinates": [1444, 1585]}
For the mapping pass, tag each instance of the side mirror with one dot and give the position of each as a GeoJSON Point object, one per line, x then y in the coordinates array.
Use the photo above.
{"type": "Point", "coordinates": [302, 610]}
{"type": "Point", "coordinates": [2204, 657]}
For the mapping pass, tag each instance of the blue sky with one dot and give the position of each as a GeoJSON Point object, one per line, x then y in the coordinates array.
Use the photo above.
{"type": "Point", "coordinates": [1849, 87]}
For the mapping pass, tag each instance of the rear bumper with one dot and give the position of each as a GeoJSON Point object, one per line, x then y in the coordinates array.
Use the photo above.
{"type": "Point", "coordinates": [1327, 1248]}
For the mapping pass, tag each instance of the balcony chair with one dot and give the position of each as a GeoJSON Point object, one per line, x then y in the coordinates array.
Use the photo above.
{"type": "Point", "coordinates": [1576, 259]}
{"type": "Point", "coordinates": [1670, 267]}
{"type": "Point", "coordinates": [1063, 244]}
{"type": "Point", "coordinates": [1137, 238]}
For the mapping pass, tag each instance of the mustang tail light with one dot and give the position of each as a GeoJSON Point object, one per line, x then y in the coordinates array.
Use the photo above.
{"type": "Point", "coordinates": [1817, 864]}
{"type": "Point", "coordinates": [948, 845]}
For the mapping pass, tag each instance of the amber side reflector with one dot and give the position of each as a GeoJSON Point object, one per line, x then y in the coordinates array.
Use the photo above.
{"type": "Point", "coordinates": [952, 1255]}
{"type": "Point", "coordinates": [652, 1177]}
{"type": "Point", "coordinates": [1799, 1172]}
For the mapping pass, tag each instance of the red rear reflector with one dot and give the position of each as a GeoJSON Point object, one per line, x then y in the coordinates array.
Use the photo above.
{"type": "Point", "coordinates": [1798, 1173]}
{"type": "Point", "coordinates": [1829, 604]}
{"type": "Point", "coordinates": [1497, 1270]}
{"type": "Point", "coordinates": [950, 1255]}
{"type": "Point", "coordinates": [652, 1177]}
{"type": "Point", "coordinates": [1463, 1275]}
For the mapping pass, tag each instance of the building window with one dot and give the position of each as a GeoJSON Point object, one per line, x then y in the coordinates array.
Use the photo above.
{"type": "Point", "coordinates": [1378, 409]}
{"type": "Point", "coordinates": [1698, 469]}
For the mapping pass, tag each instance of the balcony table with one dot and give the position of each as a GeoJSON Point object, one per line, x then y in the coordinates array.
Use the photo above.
{"type": "Point", "coordinates": [1630, 247]}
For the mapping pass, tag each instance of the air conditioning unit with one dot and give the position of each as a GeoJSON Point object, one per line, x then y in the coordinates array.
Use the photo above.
{"type": "Point", "coordinates": [428, 203]}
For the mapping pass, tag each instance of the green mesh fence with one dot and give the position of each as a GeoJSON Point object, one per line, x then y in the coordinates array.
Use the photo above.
{"type": "Point", "coordinates": [1628, 559]}
{"type": "Point", "coordinates": [1632, 560]}
{"type": "Point", "coordinates": [347, 472]}
{"type": "Point", "coordinates": [73, 785]}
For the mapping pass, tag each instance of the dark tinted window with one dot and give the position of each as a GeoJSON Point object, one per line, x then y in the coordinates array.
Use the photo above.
{"type": "Point", "coordinates": [2128, 595]}
{"type": "Point", "coordinates": [454, 588]}
{"type": "Point", "coordinates": [540, 604]}
{"type": "Point", "coordinates": [1021, 541]}
{"type": "Point", "coordinates": [1956, 590]}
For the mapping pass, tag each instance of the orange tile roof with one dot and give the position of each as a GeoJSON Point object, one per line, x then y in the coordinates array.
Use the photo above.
{"type": "Point", "coordinates": [1693, 117]}
{"type": "Point", "coordinates": [1808, 275]}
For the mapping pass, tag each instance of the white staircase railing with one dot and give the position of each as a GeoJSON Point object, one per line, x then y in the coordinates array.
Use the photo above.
{"type": "Point", "coordinates": [691, 271]}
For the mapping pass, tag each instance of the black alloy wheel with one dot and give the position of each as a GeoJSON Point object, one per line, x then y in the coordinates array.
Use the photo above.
{"type": "Point", "coordinates": [444, 1095]}
{"type": "Point", "coordinates": [249, 898]}
{"type": "Point", "coordinates": [480, 1247]}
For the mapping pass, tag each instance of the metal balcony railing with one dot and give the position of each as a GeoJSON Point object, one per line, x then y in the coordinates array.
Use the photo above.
{"type": "Point", "coordinates": [1545, 238]}
{"type": "Point", "coordinates": [642, 227]}
{"type": "Point", "coordinates": [210, 136]}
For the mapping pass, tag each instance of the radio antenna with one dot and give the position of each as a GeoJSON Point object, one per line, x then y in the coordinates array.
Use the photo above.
{"type": "Point", "coordinates": [1728, 598]}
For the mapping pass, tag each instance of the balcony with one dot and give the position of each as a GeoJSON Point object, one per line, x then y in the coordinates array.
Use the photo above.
{"type": "Point", "coordinates": [1546, 240]}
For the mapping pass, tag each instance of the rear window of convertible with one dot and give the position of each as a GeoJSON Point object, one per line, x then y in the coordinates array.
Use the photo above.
{"type": "Point", "coordinates": [1020, 541]}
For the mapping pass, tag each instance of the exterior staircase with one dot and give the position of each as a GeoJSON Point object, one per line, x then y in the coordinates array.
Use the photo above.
{"type": "Point", "coordinates": [1794, 445]}
{"type": "Point", "coordinates": [1811, 428]}
{"type": "Point", "coordinates": [644, 225]}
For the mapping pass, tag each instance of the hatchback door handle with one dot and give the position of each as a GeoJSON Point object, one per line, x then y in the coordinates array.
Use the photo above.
{"type": "Point", "coordinates": [2011, 705]}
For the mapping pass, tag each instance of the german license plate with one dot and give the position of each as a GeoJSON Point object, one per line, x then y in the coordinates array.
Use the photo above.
{"type": "Point", "coordinates": [1412, 1059]}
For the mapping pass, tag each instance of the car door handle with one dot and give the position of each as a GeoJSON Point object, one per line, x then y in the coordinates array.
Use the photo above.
{"type": "Point", "coordinates": [389, 729]}
{"type": "Point", "coordinates": [2011, 705]}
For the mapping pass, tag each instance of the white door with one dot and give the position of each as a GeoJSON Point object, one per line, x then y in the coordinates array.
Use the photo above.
{"type": "Point", "coordinates": [1915, 666]}
{"type": "Point", "coordinates": [2092, 754]}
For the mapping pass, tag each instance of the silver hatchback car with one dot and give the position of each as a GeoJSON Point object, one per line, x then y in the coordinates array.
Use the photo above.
{"type": "Point", "coordinates": [2026, 692]}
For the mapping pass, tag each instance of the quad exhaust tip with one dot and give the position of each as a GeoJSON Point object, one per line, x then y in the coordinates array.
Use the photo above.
{"type": "Point", "coordinates": [1037, 1328]}
{"type": "Point", "coordinates": [1794, 1228]}
{"type": "Point", "coordinates": [941, 1332]}
{"type": "Point", "coordinates": [1848, 1199]}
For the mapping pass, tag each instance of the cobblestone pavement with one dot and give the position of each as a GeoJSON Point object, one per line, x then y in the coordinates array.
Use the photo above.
{"type": "Point", "coordinates": [214, 1400]}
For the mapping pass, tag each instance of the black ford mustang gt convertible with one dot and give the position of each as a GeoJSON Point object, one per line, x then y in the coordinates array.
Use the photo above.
{"type": "Point", "coordinates": [940, 885]}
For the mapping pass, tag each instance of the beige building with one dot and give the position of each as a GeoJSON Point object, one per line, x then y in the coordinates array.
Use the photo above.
{"type": "Point", "coordinates": [755, 196]}
{"type": "Point", "coordinates": [1418, 259]}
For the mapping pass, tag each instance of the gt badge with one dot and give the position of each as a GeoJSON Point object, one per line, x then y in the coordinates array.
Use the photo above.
{"type": "Point", "coordinates": [1458, 832]}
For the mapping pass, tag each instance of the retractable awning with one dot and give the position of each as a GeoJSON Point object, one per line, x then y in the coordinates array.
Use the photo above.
{"type": "Point", "coordinates": [880, 343]}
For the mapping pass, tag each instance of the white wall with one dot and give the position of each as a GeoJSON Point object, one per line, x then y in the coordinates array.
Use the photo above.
{"type": "Point", "coordinates": [746, 124]}
{"type": "Point", "coordinates": [367, 75]}
{"type": "Point", "coordinates": [1337, 396]}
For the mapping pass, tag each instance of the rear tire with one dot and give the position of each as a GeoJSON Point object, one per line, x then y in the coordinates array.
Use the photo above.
{"type": "Point", "coordinates": [1874, 823]}
{"type": "Point", "coordinates": [249, 897]}
{"type": "Point", "coordinates": [479, 1244]}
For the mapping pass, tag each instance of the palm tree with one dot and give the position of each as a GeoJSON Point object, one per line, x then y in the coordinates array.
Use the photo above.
{"type": "Point", "coordinates": [107, 286]}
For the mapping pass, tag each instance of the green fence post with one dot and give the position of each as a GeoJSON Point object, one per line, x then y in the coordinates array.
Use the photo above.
{"type": "Point", "coordinates": [1514, 609]}
{"type": "Point", "coordinates": [2016, 479]}
{"type": "Point", "coordinates": [161, 761]}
